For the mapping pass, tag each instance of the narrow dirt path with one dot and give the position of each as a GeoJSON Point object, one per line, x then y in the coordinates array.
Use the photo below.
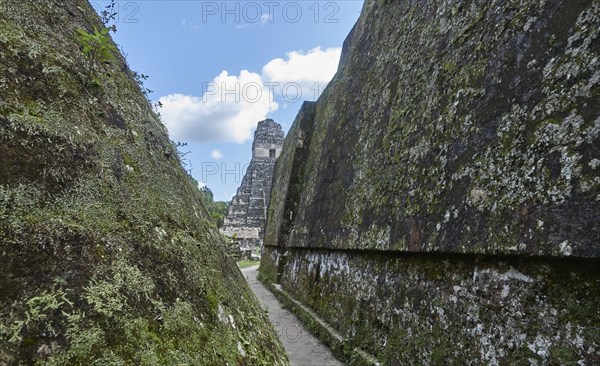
{"type": "Point", "coordinates": [302, 348]}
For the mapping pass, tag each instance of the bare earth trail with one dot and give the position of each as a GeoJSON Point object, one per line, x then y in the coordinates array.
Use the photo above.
{"type": "Point", "coordinates": [302, 348]}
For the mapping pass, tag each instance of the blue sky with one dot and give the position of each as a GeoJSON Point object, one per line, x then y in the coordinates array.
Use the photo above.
{"type": "Point", "coordinates": [221, 66]}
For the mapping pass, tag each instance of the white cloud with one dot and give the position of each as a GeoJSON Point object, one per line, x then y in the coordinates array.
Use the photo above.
{"type": "Point", "coordinates": [231, 105]}
{"type": "Point", "coordinates": [302, 75]}
{"type": "Point", "coordinates": [229, 109]}
{"type": "Point", "coordinates": [314, 66]}
{"type": "Point", "coordinates": [201, 184]}
{"type": "Point", "coordinates": [185, 25]}
{"type": "Point", "coordinates": [216, 154]}
{"type": "Point", "coordinates": [264, 19]}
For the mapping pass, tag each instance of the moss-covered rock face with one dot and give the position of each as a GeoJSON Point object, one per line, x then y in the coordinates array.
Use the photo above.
{"type": "Point", "coordinates": [108, 256]}
{"type": "Point", "coordinates": [460, 128]}
{"type": "Point", "coordinates": [452, 131]}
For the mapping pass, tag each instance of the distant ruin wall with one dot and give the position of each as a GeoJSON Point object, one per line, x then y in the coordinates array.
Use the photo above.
{"type": "Point", "coordinates": [446, 205]}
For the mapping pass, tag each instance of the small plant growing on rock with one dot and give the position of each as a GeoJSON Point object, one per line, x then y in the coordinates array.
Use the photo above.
{"type": "Point", "coordinates": [98, 49]}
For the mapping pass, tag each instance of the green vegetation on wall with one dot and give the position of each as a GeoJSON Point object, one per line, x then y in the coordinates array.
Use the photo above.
{"type": "Point", "coordinates": [98, 49]}
{"type": "Point", "coordinates": [108, 255]}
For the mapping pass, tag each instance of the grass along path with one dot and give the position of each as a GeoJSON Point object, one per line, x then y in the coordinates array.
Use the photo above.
{"type": "Point", "coordinates": [247, 264]}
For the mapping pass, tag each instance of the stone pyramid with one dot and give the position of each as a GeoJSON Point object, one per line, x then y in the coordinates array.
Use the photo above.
{"type": "Point", "coordinates": [247, 212]}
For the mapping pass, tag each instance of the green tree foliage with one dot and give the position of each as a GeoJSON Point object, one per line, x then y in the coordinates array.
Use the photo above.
{"type": "Point", "coordinates": [217, 210]}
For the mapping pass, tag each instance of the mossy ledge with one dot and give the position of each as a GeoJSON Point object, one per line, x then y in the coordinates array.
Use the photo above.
{"type": "Point", "coordinates": [341, 347]}
{"type": "Point", "coordinates": [108, 256]}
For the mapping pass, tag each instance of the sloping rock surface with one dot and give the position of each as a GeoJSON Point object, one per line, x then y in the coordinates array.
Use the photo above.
{"type": "Point", "coordinates": [107, 253]}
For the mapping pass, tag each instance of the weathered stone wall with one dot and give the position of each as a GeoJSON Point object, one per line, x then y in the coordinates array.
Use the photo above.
{"type": "Point", "coordinates": [288, 175]}
{"type": "Point", "coordinates": [107, 254]}
{"type": "Point", "coordinates": [451, 309]}
{"type": "Point", "coordinates": [447, 207]}
{"type": "Point", "coordinates": [247, 213]}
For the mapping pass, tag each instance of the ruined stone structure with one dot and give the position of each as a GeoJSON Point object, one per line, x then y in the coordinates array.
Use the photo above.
{"type": "Point", "coordinates": [440, 203]}
{"type": "Point", "coordinates": [247, 213]}
{"type": "Point", "coordinates": [107, 255]}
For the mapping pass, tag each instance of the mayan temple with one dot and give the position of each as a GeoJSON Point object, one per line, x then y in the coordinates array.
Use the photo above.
{"type": "Point", "coordinates": [247, 212]}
